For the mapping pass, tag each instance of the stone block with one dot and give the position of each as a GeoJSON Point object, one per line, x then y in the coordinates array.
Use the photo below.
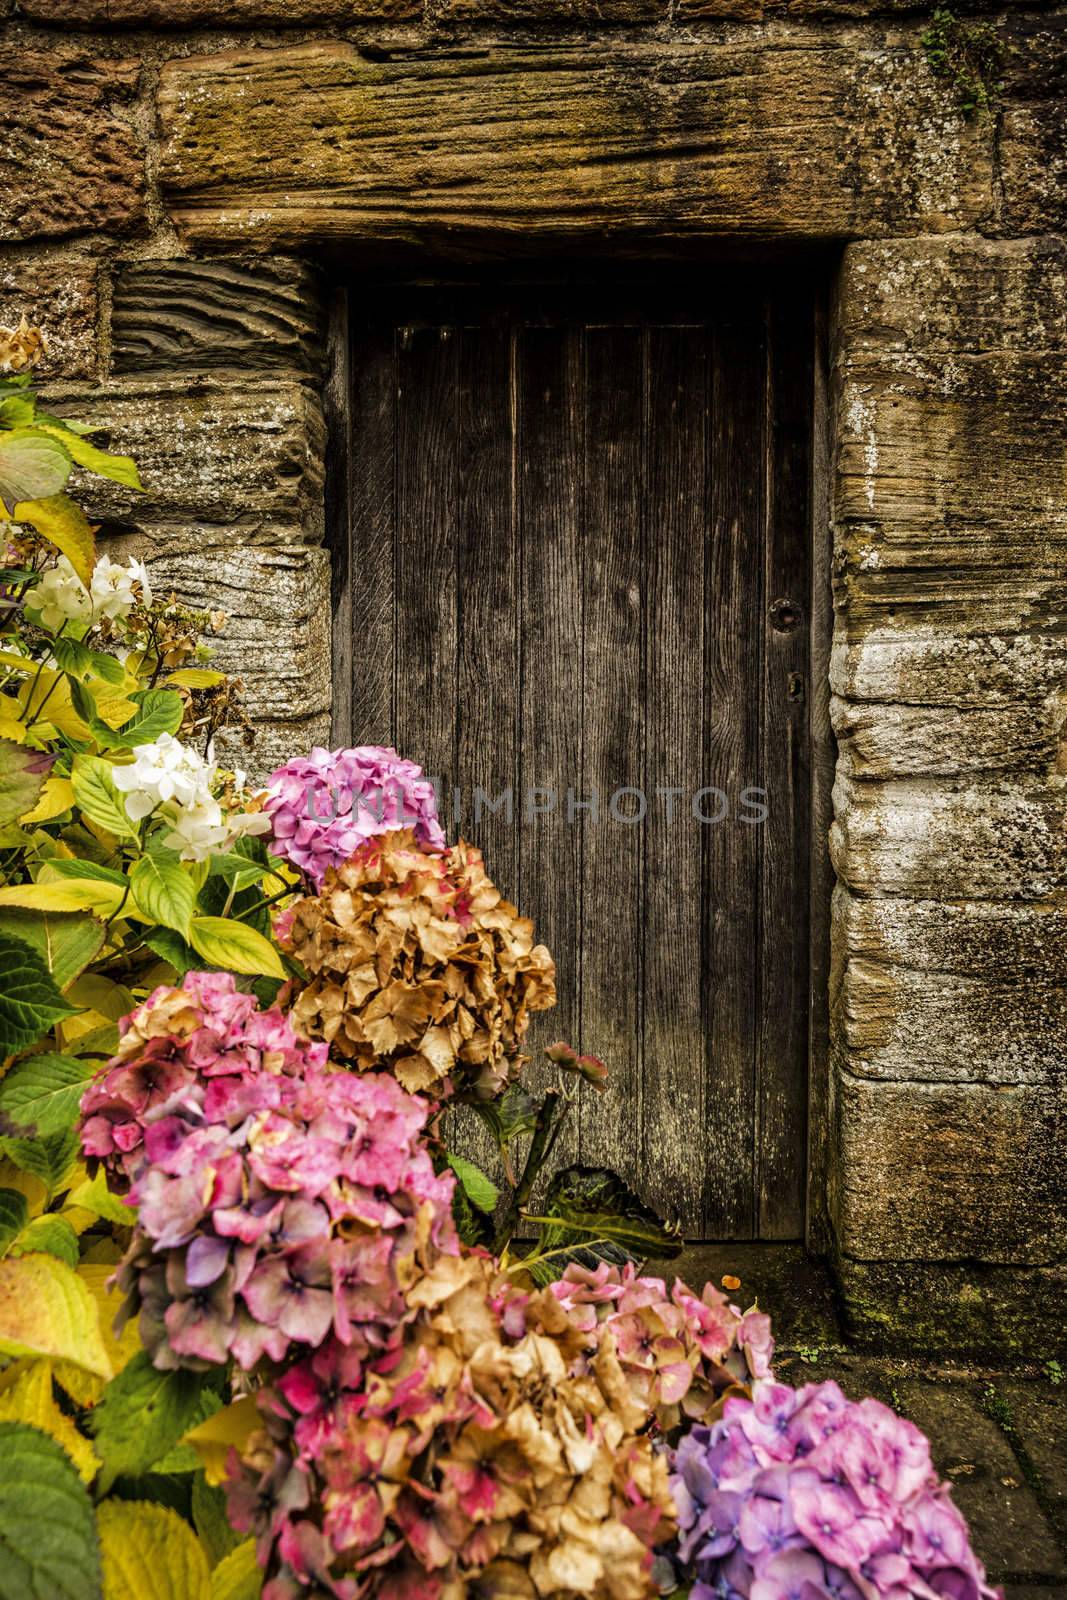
{"type": "Point", "coordinates": [947, 1172]}
{"type": "Point", "coordinates": [576, 13]}
{"type": "Point", "coordinates": [988, 939]}
{"type": "Point", "coordinates": [960, 1310]}
{"type": "Point", "coordinates": [808, 134]}
{"type": "Point", "coordinates": [59, 297]}
{"type": "Point", "coordinates": [1037, 1418]}
{"type": "Point", "coordinates": [248, 458]}
{"type": "Point", "coordinates": [956, 663]}
{"type": "Point", "coordinates": [1033, 137]}
{"type": "Point", "coordinates": [231, 14]}
{"type": "Point", "coordinates": [939, 839]}
{"type": "Point", "coordinates": [907, 741]}
{"type": "Point", "coordinates": [276, 639]}
{"type": "Point", "coordinates": [68, 163]}
{"type": "Point", "coordinates": [969, 296]}
{"type": "Point", "coordinates": [1012, 1534]}
{"type": "Point", "coordinates": [220, 315]}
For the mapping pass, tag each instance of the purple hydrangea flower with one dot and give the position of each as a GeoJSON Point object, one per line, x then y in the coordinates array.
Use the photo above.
{"type": "Point", "coordinates": [324, 806]}
{"type": "Point", "coordinates": [801, 1494]}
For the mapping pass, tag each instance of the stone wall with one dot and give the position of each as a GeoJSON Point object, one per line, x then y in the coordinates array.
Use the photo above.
{"type": "Point", "coordinates": [179, 180]}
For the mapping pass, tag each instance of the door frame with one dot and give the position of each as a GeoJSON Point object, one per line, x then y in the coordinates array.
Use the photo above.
{"type": "Point", "coordinates": [821, 272]}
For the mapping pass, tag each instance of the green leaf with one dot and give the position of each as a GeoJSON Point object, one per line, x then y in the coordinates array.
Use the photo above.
{"type": "Point", "coordinates": [48, 1544]}
{"type": "Point", "coordinates": [161, 712]}
{"type": "Point", "coordinates": [236, 870]}
{"type": "Point", "coordinates": [170, 946]}
{"type": "Point", "coordinates": [79, 660]}
{"type": "Point", "coordinates": [95, 1196]}
{"type": "Point", "coordinates": [479, 1188]}
{"type": "Point", "coordinates": [32, 467]}
{"type": "Point", "coordinates": [235, 947]}
{"type": "Point", "coordinates": [22, 777]}
{"type": "Point", "coordinates": [14, 1215]}
{"type": "Point", "coordinates": [164, 891]}
{"type": "Point", "coordinates": [596, 1217]}
{"type": "Point", "coordinates": [98, 798]}
{"type": "Point", "coordinates": [142, 1413]}
{"type": "Point", "coordinates": [51, 1235]}
{"type": "Point", "coordinates": [473, 1227]}
{"type": "Point", "coordinates": [120, 469]}
{"type": "Point", "coordinates": [65, 525]}
{"type": "Point", "coordinates": [49, 1158]}
{"type": "Point", "coordinates": [91, 871]}
{"type": "Point", "coordinates": [211, 1522]}
{"type": "Point", "coordinates": [182, 1457]}
{"type": "Point", "coordinates": [239, 1576]}
{"type": "Point", "coordinates": [508, 1118]}
{"type": "Point", "coordinates": [30, 1003]}
{"type": "Point", "coordinates": [68, 940]}
{"type": "Point", "coordinates": [42, 1093]}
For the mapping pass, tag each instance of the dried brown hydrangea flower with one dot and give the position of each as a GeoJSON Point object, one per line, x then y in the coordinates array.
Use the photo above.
{"type": "Point", "coordinates": [420, 965]}
{"type": "Point", "coordinates": [20, 348]}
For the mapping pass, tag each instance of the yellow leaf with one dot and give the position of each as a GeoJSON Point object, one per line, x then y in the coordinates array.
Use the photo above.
{"type": "Point", "coordinates": [103, 995]}
{"type": "Point", "coordinates": [33, 1190]}
{"type": "Point", "coordinates": [148, 1552]}
{"type": "Point", "coordinates": [10, 726]}
{"type": "Point", "coordinates": [63, 522]}
{"type": "Point", "coordinates": [227, 943]}
{"type": "Point", "coordinates": [32, 1401]}
{"type": "Point", "coordinates": [238, 1575]}
{"type": "Point", "coordinates": [86, 1387]}
{"type": "Point", "coordinates": [114, 708]}
{"type": "Point", "coordinates": [47, 1310]}
{"type": "Point", "coordinates": [67, 894]}
{"type": "Point", "coordinates": [212, 1439]}
{"type": "Point", "coordinates": [57, 796]}
{"type": "Point", "coordinates": [196, 678]}
{"type": "Point", "coordinates": [48, 697]}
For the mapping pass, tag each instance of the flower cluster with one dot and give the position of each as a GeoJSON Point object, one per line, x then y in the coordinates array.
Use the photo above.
{"type": "Point", "coordinates": [804, 1495]}
{"type": "Point", "coordinates": [278, 1201]}
{"type": "Point", "coordinates": [325, 805]}
{"type": "Point", "coordinates": [681, 1353]}
{"type": "Point", "coordinates": [174, 779]}
{"type": "Point", "coordinates": [60, 596]}
{"type": "Point", "coordinates": [497, 1451]}
{"type": "Point", "coordinates": [420, 965]}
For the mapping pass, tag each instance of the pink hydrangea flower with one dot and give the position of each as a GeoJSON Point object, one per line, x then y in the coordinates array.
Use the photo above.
{"type": "Point", "coordinates": [803, 1494]}
{"type": "Point", "coordinates": [680, 1351]}
{"type": "Point", "coordinates": [324, 806]}
{"type": "Point", "coordinates": [279, 1202]}
{"type": "Point", "coordinates": [202, 1052]}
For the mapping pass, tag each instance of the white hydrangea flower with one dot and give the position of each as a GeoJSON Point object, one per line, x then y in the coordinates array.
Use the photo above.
{"type": "Point", "coordinates": [112, 587]}
{"type": "Point", "coordinates": [197, 830]}
{"type": "Point", "coordinates": [163, 771]}
{"type": "Point", "coordinates": [59, 596]}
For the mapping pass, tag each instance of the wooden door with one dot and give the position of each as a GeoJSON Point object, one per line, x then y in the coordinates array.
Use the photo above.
{"type": "Point", "coordinates": [579, 561]}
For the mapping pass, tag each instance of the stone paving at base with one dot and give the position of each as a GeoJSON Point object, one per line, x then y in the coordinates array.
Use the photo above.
{"type": "Point", "coordinates": [999, 1436]}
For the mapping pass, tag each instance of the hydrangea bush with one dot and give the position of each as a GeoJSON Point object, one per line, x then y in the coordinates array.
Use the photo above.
{"type": "Point", "coordinates": [496, 1451]}
{"type": "Point", "coordinates": [800, 1494]}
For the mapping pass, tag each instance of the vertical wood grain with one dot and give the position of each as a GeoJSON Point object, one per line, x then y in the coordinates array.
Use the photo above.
{"type": "Point", "coordinates": [487, 677]}
{"type": "Point", "coordinates": [371, 601]}
{"type": "Point", "coordinates": [612, 1130]}
{"type": "Point", "coordinates": [551, 621]}
{"type": "Point", "coordinates": [781, 1106]}
{"type": "Point", "coordinates": [671, 897]}
{"type": "Point", "coordinates": [427, 455]}
{"type": "Point", "coordinates": [733, 603]}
